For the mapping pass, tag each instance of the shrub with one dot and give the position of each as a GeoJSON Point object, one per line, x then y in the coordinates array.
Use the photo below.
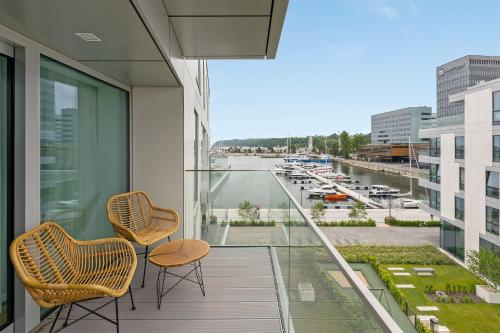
{"type": "Point", "coordinates": [466, 299]}
{"type": "Point", "coordinates": [246, 211]}
{"type": "Point", "coordinates": [358, 211]}
{"type": "Point", "coordinates": [414, 223]}
{"type": "Point", "coordinates": [348, 223]}
{"type": "Point", "coordinates": [429, 289]}
{"type": "Point", "coordinates": [251, 223]}
{"type": "Point", "coordinates": [485, 263]}
{"type": "Point", "coordinates": [318, 212]}
{"type": "Point", "coordinates": [213, 219]}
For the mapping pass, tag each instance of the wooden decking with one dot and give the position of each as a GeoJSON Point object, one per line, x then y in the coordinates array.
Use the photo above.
{"type": "Point", "coordinates": [241, 297]}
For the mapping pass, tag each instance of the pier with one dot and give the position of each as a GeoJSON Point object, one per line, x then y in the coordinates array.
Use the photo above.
{"type": "Point", "coordinates": [353, 194]}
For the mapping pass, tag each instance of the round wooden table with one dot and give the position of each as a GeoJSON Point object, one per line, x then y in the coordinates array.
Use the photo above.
{"type": "Point", "coordinates": [178, 253]}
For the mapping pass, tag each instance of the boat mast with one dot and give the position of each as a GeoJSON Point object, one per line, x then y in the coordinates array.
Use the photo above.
{"type": "Point", "coordinates": [411, 179]}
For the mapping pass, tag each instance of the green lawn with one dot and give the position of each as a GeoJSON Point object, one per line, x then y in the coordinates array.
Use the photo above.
{"type": "Point", "coordinates": [459, 318]}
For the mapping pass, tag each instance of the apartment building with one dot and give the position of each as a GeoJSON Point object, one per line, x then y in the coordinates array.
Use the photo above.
{"type": "Point", "coordinates": [463, 183]}
{"type": "Point", "coordinates": [458, 75]}
{"type": "Point", "coordinates": [103, 97]}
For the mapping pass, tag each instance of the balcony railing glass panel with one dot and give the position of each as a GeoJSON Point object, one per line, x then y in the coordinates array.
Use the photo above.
{"type": "Point", "coordinates": [316, 288]}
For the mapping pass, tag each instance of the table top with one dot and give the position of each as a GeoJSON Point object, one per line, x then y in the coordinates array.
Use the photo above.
{"type": "Point", "coordinates": [179, 252]}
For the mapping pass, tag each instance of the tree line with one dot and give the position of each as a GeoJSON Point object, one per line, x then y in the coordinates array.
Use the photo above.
{"type": "Point", "coordinates": [335, 144]}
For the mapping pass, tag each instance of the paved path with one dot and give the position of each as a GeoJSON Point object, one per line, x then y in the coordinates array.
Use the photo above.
{"type": "Point", "coordinates": [382, 235]}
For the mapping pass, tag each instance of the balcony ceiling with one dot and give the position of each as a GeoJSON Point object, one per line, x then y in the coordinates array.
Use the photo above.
{"type": "Point", "coordinates": [127, 52]}
{"type": "Point", "coordinates": [224, 29]}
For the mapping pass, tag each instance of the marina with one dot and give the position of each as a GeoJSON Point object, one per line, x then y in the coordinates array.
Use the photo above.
{"type": "Point", "coordinates": [310, 181]}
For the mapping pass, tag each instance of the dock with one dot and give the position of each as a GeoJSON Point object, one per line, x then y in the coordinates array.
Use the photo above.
{"type": "Point", "coordinates": [353, 194]}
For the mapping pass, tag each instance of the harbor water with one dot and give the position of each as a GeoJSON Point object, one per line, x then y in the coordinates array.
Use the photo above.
{"type": "Point", "coordinates": [241, 182]}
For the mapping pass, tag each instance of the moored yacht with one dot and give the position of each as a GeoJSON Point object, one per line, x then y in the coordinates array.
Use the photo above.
{"type": "Point", "coordinates": [322, 190]}
{"type": "Point", "coordinates": [382, 190]}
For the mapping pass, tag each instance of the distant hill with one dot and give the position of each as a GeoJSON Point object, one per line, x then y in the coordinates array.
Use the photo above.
{"type": "Point", "coordinates": [270, 142]}
{"type": "Point", "coordinates": [321, 143]}
{"type": "Point", "coordinates": [332, 142]}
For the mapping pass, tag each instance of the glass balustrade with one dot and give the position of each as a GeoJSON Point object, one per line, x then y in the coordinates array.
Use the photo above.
{"type": "Point", "coordinates": [316, 289]}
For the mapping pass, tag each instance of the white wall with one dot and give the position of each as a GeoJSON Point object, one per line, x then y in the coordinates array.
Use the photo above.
{"type": "Point", "coordinates": [157, 145]}
{"type": "Point", "coordinates": [478, 155]}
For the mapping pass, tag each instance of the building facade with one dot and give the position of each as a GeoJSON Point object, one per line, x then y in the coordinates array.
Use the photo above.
{"type": "Point", "coordinates": [400, 125]}
{"type": "Point", "coordinates": [92, 106]}
{"type": "Point", "coordinates": [463, 182]}
{"type": "Point", "coordinates": [455, 77]}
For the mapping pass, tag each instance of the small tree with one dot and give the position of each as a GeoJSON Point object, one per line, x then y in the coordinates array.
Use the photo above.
{"type": "Point", "coordinates": [485, 263]}
{"type": "Point", "coordinates": [358, 212]}
{"type": "Point", "coordinates": [247, 212]}
{"type": "Point", "coordinates": [318, 212]}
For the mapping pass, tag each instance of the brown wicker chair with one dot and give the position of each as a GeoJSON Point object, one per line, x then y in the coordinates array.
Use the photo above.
{"type": "Point", "coordinates": [134, 217]}
{"type": "Point", "coordinates": [58, 270]}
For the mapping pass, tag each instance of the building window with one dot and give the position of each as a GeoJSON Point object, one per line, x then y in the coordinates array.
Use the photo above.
{"type": "Point", "coordinates": [459, 148]}
{"type": "Point", "coordinates": [492, 220]}
{"type": "Point", "coordinates": [496, 108]}
{"type": "Point", "coordinates": [435, 200]}
{"type": "Point", "coordinates": [435, 174]}
{"type": "Point", "coordinates": [6, 190]}
{"type": "Point", "coordinates": [484, 244]}
{"type": "Point", "coordinates": [461, 178]}
{"type": "Point", "coordinates": [451, 238]}
{"type": "Point", "coordinates": [459, 208]}
{"type": "Point", "coordinates": [492, 184]}
{"type": "Point", "coordinates": [435, 147]}
{"type": "Point", "coordinates": [84, 149]}
{"type": "Point", "coordinates": [496, 148]}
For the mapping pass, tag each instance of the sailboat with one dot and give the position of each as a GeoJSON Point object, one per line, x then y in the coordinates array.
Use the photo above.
{"type": "Point", "coordinates": [407, 200]}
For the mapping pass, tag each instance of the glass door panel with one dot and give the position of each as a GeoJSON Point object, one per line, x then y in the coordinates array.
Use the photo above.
{"type": "Point", "coordinates": [5, 190]}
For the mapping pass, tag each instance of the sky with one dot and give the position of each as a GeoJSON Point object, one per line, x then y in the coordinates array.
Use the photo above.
{"type": "Point", "coordinates": [339, 61]}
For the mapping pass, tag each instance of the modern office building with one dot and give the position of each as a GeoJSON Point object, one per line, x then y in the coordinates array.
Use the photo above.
{"type": "Point", "coordinates": [103, 97]}
{"type": "Point", "coordinates": [464, 180]}
{"type": "Point", "coordinates": [455, 77]}
{"type": "Point", "coordinates": [400, 125]}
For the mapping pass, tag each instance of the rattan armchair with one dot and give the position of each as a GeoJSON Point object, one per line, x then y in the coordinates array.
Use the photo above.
{"type": "Point", "coordinates": [134, 217]}
{"type": "Point", "coordinates": [58, 270]}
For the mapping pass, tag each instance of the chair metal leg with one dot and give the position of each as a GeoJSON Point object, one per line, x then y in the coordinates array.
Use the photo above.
{"type": "Point", "coordinates": [57, 317]}
{"type": "Point", "coordinates": [117, 320]}
{"type": "Point", "coordinates": [131, 297]}
{"type": "Point", "coordinates": [67, 315]}
{"type": "Point", "coordinates": [199, 276]}
{"type": "Point", "coordinates": [145, 263]}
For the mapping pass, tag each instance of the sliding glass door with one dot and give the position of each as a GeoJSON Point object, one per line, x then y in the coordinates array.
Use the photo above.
{"type": "Point", "coordinates": [5, 189]}
{"type": "Point", "coordinates": [84, 149]}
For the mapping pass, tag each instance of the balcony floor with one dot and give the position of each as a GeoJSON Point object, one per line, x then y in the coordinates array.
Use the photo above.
{"type": "Point", "coordinates": [240, 297]}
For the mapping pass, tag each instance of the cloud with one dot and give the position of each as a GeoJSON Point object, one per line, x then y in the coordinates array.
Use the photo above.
{"type": "Point", "coordinates": [384, 8]}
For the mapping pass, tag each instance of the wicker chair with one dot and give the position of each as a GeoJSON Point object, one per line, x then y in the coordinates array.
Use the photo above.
{"type": "Point", "coordinates": [134, 217]}
{"type": "Point", "coordinates": [58, 270]}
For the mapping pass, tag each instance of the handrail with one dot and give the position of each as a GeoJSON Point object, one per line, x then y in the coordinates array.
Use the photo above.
{"type": "Point", "coordinates": [384, 318]}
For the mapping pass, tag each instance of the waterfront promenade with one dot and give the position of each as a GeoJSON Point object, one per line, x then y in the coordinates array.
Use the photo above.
{"type": "Point", "coordinates": [402, 169]}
